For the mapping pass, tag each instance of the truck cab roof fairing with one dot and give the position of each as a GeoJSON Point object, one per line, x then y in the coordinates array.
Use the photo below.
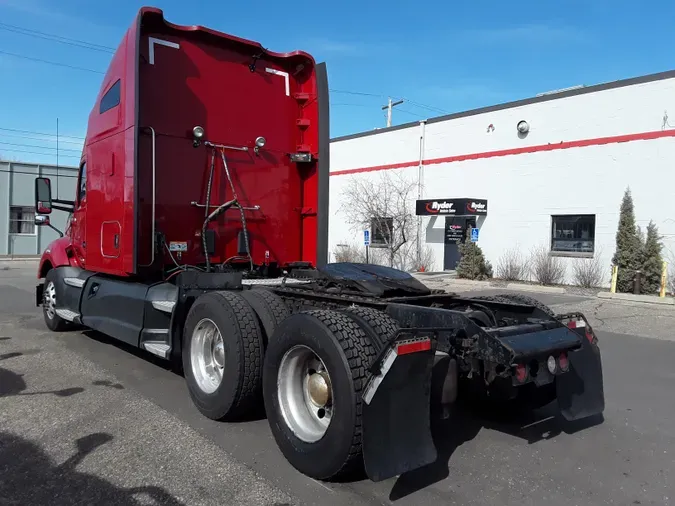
{"type": "Point", "coordinates": [229, 86]}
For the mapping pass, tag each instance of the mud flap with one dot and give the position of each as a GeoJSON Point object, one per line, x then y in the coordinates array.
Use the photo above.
{"type": "Point", "coordinates": [580, 391]}
{"type": "Point", "coordinates": [396, 412]}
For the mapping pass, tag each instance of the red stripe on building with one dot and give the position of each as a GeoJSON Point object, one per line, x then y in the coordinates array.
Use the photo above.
{"type": "Point", "coordinates": [643, 136]}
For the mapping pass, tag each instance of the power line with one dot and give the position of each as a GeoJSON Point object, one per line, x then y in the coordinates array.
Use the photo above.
{"type": "Point", "coordinates": [365, 94]}
{"type": "Point", "coordinates": [36, 153]}
{"type": "Point", "coordinates": [39, 147]}
{"type": "Point", "coordinates": [347, 92]}
{"type": "Point", "coordinates": [108, 49]}
{"type": "Point", "coordinates": [429, 107]}
{"type": "Point", "coordinates": [57, 64]}
{"type": "Point", "coordinates": [98, 47]}
{"type": "Point", "coordinates": [411, 113]}
{"type": "Point", "coordinates": [56, 38]}
{"type": "Point", "coordinates": [61, 141]}
{"type": "Point", "coordinates": [40, 133]}
{"type": "Point", "coordinates": [350, 105]}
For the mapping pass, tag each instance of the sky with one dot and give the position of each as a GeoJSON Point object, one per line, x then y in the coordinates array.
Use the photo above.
{"type": "Point", "coordinates": [440, 57]}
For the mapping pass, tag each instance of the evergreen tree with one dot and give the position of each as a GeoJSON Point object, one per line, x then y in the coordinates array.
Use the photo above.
{"type": "Point", "coordinates": [652, 262]}
{"type": "Point", "coordinates": [628, 254]}
{"type": "Point", "coordinates": [472, 264]}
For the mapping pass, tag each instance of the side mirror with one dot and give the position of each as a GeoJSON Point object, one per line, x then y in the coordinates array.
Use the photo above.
{"type": "Point", "coordinates": [41, 219]}
{"type": "Point", "coordinates": [43, 196]}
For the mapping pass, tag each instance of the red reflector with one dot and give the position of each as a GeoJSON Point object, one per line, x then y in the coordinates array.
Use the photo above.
{"type": "Point", "coordinates": [589, 336]}
{"type": "Point", "coordinates": [521, 373]}
{"type": "Point", "coordinates": [414, 347]}
{"type": "Point", "coordinates": [564, 363]}
{"type": "Point", "coordinates": [572, 324]}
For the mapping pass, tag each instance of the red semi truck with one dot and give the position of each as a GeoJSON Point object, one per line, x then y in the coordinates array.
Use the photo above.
{"type": "Point", "coordinates": [199, 234]}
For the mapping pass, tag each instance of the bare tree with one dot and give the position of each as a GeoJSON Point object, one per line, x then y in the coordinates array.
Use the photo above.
{"type": "Point", "coordinates": [384, 205]}
{"type": "Point", "coordinates": [544, 268]}
{"type": "Point", "coordinates": [511, 266]}
{"type": "Point", "coordinates": [670, 275]}
{"type": "Point", "coordinates": [589, 272]}
{"type": "Point", "coordinates": [349, 253]}
{"type": "Point", "coordinates": [411, 258]}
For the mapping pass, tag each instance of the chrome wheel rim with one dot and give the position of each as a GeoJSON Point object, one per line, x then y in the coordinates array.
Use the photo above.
{"type": "Point", "coordinates": [207, 355]}
{"type": "Point", "coordinates": [49, 300]}
{"type": "Point", "coordinates": [305, 393]}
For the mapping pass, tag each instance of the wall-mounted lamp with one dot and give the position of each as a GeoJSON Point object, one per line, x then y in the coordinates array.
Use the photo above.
{"type": "Point", "coordinates": [523, 127]}
{"type": "Point", "coordinates": [197, 135]}
{"type": "Point", "coordinates": [259, 143]}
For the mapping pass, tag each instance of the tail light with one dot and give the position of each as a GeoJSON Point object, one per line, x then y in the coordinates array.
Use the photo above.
{"type": "Point", "coordinates": [577, 324]}
{"type": "Point", "coordinates": [563, 362]}
{"type": "Point", "coordinates": [521, 373]}
{"type": "Point", "coordinates": [552, 366]}
{"type": "Point", "coordinates": [413, 346]}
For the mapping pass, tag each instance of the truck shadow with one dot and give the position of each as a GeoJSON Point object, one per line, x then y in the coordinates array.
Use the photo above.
{"type": "Point", "coordinates": [464, 423]}
{"type": "Point", "coordinates": [30, 476]}
{"type": "Point", "coordinates": [132, 350]}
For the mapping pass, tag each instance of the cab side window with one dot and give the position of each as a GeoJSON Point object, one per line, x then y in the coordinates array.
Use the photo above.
{"type": "Point", "coordinates": [82, 189]}
{"type": "Point", "coordinates": [111, 98]}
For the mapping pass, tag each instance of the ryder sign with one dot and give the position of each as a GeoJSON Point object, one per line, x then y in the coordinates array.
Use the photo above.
{"type": "Point", "coordinates": [451, 207]}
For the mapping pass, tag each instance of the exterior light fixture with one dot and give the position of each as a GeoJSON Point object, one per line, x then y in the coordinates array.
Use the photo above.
{"type": "Point", "coordinates": [259, 143]}
{"type": "Point", "coordinates": [523, 127]}
{"type": "Point", "coordinates": [197, 135]}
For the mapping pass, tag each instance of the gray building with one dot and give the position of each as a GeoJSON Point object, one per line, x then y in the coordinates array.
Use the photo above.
{"type": "Point", "coordinates": [19, 236]}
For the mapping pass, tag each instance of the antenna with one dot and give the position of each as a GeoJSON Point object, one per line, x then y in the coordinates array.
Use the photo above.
{"type": "Point", "coordinates": [57, 157]}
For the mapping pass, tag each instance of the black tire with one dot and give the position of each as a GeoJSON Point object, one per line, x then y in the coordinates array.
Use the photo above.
{"type": "Point", "coordinates": [378, 326]}
{"type": "Point", "coordinates": [269, 307]}
{"type": "Point", "coordinates": [53, 321]}
{"type": "Point", "coordinates": [346, 351]}
{"type": "Point", "coordinates": [526, 299]}
{"type": "Point", "coordinates": [239, 394]}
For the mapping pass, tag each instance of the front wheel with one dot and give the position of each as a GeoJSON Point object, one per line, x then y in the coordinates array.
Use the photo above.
{"type": "Point", "coordinates": [314, 373]}
{"type": "Point", "coordinates": [53, 321]}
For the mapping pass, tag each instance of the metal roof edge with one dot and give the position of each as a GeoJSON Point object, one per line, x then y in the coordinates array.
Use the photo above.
{"type": "Point", "coordinates": [659, 76]}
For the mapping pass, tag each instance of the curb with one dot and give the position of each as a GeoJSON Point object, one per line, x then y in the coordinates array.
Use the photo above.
{"type": "Point", "coordinates": [454, 283]}
{"type": "Point", "coordinates": [17, 263]}
{"type": "Point", "coordinates": [645, 299]}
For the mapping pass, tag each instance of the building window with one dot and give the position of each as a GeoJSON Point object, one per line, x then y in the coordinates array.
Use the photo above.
{"type": "Point", "coordinates": [22, 220]}
{"type": "Point", "coordinates": [573, 234]}
{"type": "Point", "coordinates": [111, 98]}
{"type": "Point", "coordinates": [381, 231]}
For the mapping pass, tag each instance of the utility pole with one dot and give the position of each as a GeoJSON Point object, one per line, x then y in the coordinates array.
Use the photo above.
{"type": "Point", "coordinates": [389, 107]}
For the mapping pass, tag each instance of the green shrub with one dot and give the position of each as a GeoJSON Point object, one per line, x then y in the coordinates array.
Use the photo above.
{"type": "Point", "coordinates": [652, 261]}
{"type": "Point", "coordinates": [472, 264]}
{"type": "Point", "coordinates": [628, 253]}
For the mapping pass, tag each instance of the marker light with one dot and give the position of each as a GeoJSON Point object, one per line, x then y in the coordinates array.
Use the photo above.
{"type": "Point", "coordinates": [564, 363]}
{"type": "Point", "coordinates": [521, 373]}
{"type": "Point", "coordinates": [260, 142]}
{"type": "Point", "coordinates": [198, 132]}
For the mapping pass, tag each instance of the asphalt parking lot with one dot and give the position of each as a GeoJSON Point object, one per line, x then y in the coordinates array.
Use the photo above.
{"type": "Point", "coordinates": [84, 420]}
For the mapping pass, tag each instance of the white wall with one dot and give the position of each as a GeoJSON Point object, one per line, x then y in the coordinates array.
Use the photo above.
{"type": "Point", "coordinates": [525, 189]}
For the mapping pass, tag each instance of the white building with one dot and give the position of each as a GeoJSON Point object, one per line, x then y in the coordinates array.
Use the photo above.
{"type": "Point", "coordinates": [551, 170]}
{"type": "Point", "coordinates": [19, 236]}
